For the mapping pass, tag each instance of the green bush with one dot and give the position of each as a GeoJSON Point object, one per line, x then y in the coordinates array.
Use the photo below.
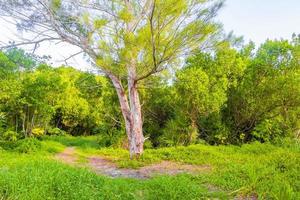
{"type": "Point", "coordinates": [55, 131]}
{"type": "Point", "coordinates": [28, 145]}
{"type": "Point", "coordinates": [109, 140]}
{"type": "Point", "coordinates": [178, 132]}
{"type": "Point", "coordinates": [148, 144]}
{"type": "Point", "coordinates": [10, 136]}
{"type": "Point", "coordinates": [268, 130]}
{"type": "Point", "coordinates": [8, 145]}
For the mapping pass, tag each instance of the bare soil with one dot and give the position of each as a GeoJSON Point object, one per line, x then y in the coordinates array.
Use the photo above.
{"type": "Point", "coordinates": [103, 166]}
{"type": "Point", "coordinates": [67, 156]}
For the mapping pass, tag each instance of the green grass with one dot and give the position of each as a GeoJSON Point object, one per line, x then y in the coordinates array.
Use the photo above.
{"type": "Point", "coordinates": [34, 177]}
{"type": "Point", "coordinates": [80, 141]}
{"type": "Point", "coordinates": [262, 170]}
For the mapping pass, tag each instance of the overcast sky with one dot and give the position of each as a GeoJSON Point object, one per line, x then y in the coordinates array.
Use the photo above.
{"type": "Point", "coordinates": [256, 20]}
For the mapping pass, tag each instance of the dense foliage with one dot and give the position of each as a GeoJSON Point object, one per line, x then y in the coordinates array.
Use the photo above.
{"type": "Point", "coordinates": [228, 96]}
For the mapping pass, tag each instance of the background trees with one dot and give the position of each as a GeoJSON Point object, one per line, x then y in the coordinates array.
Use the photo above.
{"type": "Point", "coordinates": [261, 106]}
{"type": "Point", "coordinates": [128, 40]}
{"type": "Point", "coordinates": [228, 96]}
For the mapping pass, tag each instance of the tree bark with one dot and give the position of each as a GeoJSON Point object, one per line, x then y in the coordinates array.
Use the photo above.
{"type": "Point", "coordinates": [136, 142]}
{"type": "Point", "coordinates": [131, 111]}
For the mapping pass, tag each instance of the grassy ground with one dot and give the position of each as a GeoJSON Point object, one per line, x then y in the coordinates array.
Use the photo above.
{"type": "Point", "coordinates": [254, 170]}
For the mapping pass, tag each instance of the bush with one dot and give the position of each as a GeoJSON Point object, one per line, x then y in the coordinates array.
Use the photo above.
{"type": "Point", "coordinates": [107, 140]}
{"type": "Point", "coordinates": [178, 132]}
{"type": "Point", "coordinates": [8, 145]}
{"type": "Point", "coordinates": [148, 144]}
{"type": "Point", "coordinates": [10, 136]}
{"type": "Point", "coordinates": [55, 131]}
{"type": "Point", "coordinates": [28, 145]}
{"type": "Point", "coordinates": [38, 132]}
{"type": "Point", "coordinates": [268, 130]}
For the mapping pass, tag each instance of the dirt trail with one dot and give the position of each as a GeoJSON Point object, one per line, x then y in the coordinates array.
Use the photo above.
{"type": "Point", "coordinates": [67, 156]}
{"type": "Point", "coordinates": [104, 166]}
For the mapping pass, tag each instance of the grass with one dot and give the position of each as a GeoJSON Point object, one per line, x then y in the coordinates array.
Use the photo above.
{"type": "Point", "coordinates": [80, 141]}
{"type": "Point", "coordinates": [259, 170]}
{"type": "Point", "coordinates": [34, 177]}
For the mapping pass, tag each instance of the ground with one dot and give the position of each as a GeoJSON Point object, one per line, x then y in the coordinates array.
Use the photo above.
{"type": "Point", "coordinates": [103, 166]}
{"type": "Point", "coordinates": [66, 167]}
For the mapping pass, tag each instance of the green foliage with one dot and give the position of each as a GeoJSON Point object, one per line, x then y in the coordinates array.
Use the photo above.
{"type": "Point", "coordinates": [114, 139]}
{"type": "Point", "coordinates": [228, 97]}
{"type": "Point", "coordinates": [28, 145]}
{"type": "Point", "coordinates": [261, 170]}
{"type": "Point", "coordinates": [268, 130]}
{"type": "Point", "coordinates": [56, 131]}
{"type": "Point", "coordinates": [262, 106]}
{"type": "Point", "coordinates": [55, 4]}
{"type": "Point", "coordinates": [24, 61]}
{"type": "Point", "coordinates": [79, 141]}
{"type": "Point", "coordinates": [10, 136]}
{"type": "Point", "coordinates": [57, 181]}
{"type": "Point", "coordinates": [234, 96]}
{"type": "Point", "coordinates": [37, 132]}
{"type": "Point", "coordinates": [50, 146]}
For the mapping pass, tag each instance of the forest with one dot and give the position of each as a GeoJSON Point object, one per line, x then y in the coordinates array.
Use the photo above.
{"type": "Point", "coordinates": [177, 110]}
{"type": "Point", "coordinates": [231, 97]}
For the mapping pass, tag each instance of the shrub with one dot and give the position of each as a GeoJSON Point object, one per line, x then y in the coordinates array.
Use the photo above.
{"type": "Point", "coordinates": [28, 145]}
{"type": "Point", "coordinates": [178, 132]}
{"type": "Point", "coordinates": [268, 130]}
{"type": "Point", "coordinates": [55, 131]}
{"type": "Point", "coordinates": [38, 132]}
{"type": "Point", "coordinates": [107, 140]}
{"type": "Point", "coordinates": [8, 145]}
{"type": "Point", "coordinates": [10, 136]}
{"type": "Point", "coordinates": [148, 144]}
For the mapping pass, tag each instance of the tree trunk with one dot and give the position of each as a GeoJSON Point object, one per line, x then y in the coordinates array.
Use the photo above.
{"type": "Point", "coordinates": [136, 141]}
{"type": "Point", "coordinates": [131, 111]}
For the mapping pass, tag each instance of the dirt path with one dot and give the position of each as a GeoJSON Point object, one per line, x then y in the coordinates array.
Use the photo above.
{"type": "Point", "coordinates": [104, 166]}
{"type": "Point", "coordinates": [67, 156]}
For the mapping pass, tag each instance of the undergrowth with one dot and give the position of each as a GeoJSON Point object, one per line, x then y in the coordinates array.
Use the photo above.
{"type": "Point", "coordinates": [264, 171]}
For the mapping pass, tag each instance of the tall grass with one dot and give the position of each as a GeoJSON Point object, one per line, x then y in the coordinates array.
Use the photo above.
{"type": "Point", "coordinates": [30, 178]}
{"type": "Point", "coordinates": [258, 170]}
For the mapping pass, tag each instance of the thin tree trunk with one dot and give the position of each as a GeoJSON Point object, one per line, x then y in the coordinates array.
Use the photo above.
{"type": "Point", "coordinates": [23, 124]}
{"type": "Point", "coordinates": [17, 124]}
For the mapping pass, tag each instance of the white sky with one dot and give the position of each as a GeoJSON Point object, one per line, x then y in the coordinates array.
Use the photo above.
{"type": "Point", "coordinates": [256, 20]}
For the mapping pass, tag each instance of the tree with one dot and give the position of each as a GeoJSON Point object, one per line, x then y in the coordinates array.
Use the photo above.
{"type": "Point", "coordinates": [203, 84]}
{"type": "Point", "coordinates": [40, 92]}
{"type": "Point", "coordinates": [129, 40]}
{"type": "Point", "coordinates": [268, 96]}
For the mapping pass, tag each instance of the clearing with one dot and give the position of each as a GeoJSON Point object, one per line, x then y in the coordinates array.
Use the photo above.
{"type": "Point", "coordinates": [104, 166]}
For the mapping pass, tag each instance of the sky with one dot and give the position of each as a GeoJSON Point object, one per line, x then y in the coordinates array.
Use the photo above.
{"type": "Point", "coordinates": [256, 20]}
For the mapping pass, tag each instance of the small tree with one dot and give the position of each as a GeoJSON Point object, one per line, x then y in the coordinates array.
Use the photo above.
{"type": "Point", "coordinates": [129, 40]}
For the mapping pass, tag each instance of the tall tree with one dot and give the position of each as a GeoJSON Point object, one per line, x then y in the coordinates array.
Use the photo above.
{"type": "Point", "coordinates": [129, 40]}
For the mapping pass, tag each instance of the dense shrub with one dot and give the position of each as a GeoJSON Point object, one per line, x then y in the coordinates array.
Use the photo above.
{"type": "Point", "coordinates": [37, 132]}
{"type": "Point", "coordinates": [28, 145]}
{"type": "Point", "coordinates": [115, 139]}
{"type": "Point", "coordinates": [55, 131]}
{"type": "Point", "coordinates": [10, 136]}
{"type": "Point", "coordinates": [8, 145]}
